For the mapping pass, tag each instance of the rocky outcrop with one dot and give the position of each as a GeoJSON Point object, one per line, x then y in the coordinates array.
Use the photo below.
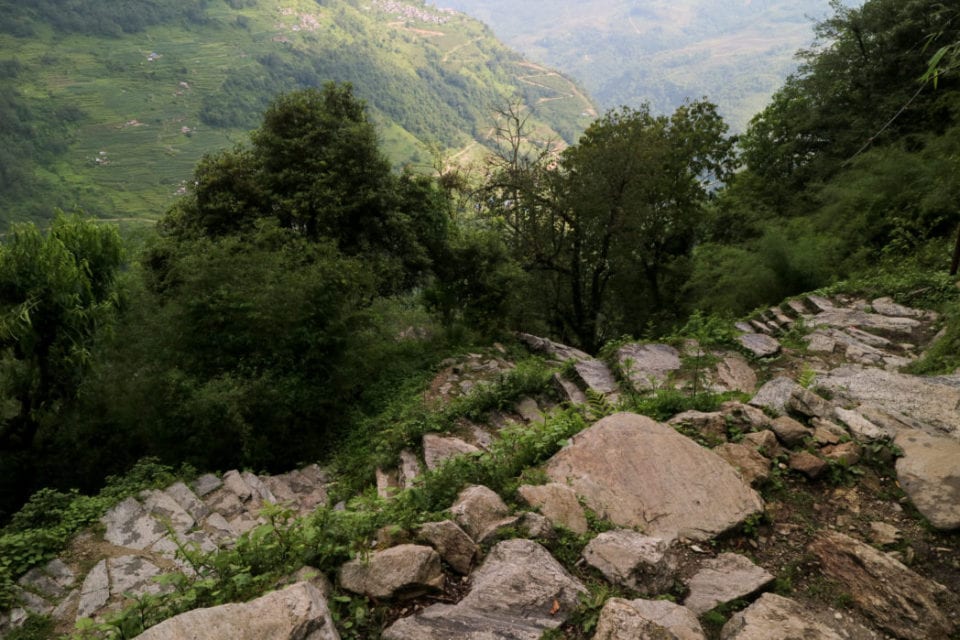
{"type": "Point", "coordinates": [519, 592]}
{"type": "Point", "coordinates": [638, 473]}
{"type": "Point", "coordinates": [299, 612]}
{"type": "Point", "coordinates": [898, 600]}
{"type": "Point", "coordinates": [647, 366]}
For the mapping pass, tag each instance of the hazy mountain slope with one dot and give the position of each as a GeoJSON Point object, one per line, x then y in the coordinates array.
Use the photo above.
{"type": "Point", "coordinates": [661, 51]}
{"type": "Point", "coordinates": [106, 105]}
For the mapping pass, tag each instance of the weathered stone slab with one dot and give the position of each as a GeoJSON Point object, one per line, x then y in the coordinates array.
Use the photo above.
{"type": "Point", "coordinates": [723, 579]}
{"type": "Point", "coordinates": [95, 591]}
{"type": "Point", "coordinates": [132, 574]}
{"type": "Point", "coordinates": [809, 404]}
{"type": "Point", "coordinates": [438, 449]}
{"type": "Point", "coordinates": [759, 344]}
{"type": "Point", "coordinates": [842, 318]}
{"type": "Point", "coordinates": [597, 377]}
{"type": "Point", "coordinates": [207, 483]}
{"type": "Point", "coordinates": [775, 394]}
{"type": "Point", "coordinates": [401, 572]}
{"type": "Point", "coordinates": [931, 401]}
{"type": "Point", "coordinates": [929, 473]}
{"type": "Point", "coordinates": [568, 390]}
{"type": "Point", "coordinates": [129, 525]}
{"type": "Point", "coordinates": [774, 617]}
{"type": "Point", "coordinates": [410, 468]}
{"type": "Point", "coordinates": [164, 508]}
{"type": "Point", "coordinates": [895, 598]}
{"type": "Point", "coordinates": [452, 543]}
{"type": "Point", "coordinates": [647, 366]}
{"type": "Point", "coordinates": [558, 503]}
{"type": "Point", "coordinates": [630, 559]}
{"type": "Point", "coordinates": [647, 620]}
{"type": "Point", "coordinates": [299, 612]}
{"type": "Point", "coordinates": [808, 464]}
{"type": "Point", "coordinates": [519, 592]}
{"type": "Point", "coordinates": [790, 432]}
{"type": "Point", "coordinates": [638, 473]}
{"type": "Point", "coordinates": [887, 307]}
{"type": "Point", "coordinates": [751, 464]}
{"type": "Point", "coordinates": [188, 500]}
{"type": "Point", "coordinates": [734, 373]}
{"type": "Point", "coordinates": [528, 409]}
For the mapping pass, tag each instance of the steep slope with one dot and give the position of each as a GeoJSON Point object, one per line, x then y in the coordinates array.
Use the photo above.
{"type": "Point", "coordinates": [107, 106]}
{"type": "Point", "coordinates": [624, 52]}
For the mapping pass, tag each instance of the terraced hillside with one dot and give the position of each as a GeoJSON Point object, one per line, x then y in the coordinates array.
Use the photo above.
{"type": "Point", "coordinates": [107, 107]}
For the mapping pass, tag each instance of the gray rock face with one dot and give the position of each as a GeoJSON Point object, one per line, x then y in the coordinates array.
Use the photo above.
{"type": "Point", "coordinates": [438, 449]}
{"type": "Point", "coordinates": [638, 473]}
{"type": "Point", "coordinates": [95, 591]}
{"type": "Point", "coordinates": [132, 574]}
{"type": "Point", "coordinates": [513, 597]}
{"type": "Point", "coordinates": [647, 366]}
{"type": "Point", "coordinates": [452, 543]}
{"type": "Point", "coordinates": [559, 351]}
{"type": "Point", "coordinates": [931, 401]}
{"type": "Point", "coordinates": [405, 571]}
{"type": "Point", "coordinates": [129, 525]}
{"type": "Point", "coordinates": [722, 579]}
{"type": "Point", "coordinates": [929, 473]}
{"type": "Point", "coordinates": [480, 512]}
{"type": "Point", "coordinates": [647, 620]}
{"type": "Point", "coordinates": [299, 612]}
{"type": "Point", "coordinates": [759, 344]}
{"type": "Point", "coordinates": [630, 559]}
{"type": "Point", "coordinates": [898, 600]}
{"type": "Point", "coordinates": [860, 427]}
{"type": "Point", "coordinates": [775, 395]}
{"type": "Point", "coordinates": [558, 503]}
{"type": "Point", "coordinates": [774, 617]}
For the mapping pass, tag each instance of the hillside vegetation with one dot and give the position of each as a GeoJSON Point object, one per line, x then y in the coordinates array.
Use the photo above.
{"type": "Point", "coordinates": [660, 52]}
{"type": "Point", "coordinates": [107, 105]}
{"type": "Point", "coordinates": [297, 302]}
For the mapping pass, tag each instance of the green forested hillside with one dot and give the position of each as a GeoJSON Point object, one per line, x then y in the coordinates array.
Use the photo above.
{"type": "Point", "coordinates": [107, 105]}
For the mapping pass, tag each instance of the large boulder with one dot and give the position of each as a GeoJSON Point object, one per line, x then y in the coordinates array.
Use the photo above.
{"type": "Point", "coordinates": [646, 620]}
{"type": "Point", "coordinates": [404, 571]}
{"type": "Point", "coordinates": [481, 512]}
{"type": "Point", "coordinates": [638, 473]}
{"type": "Point", "coordinates": [898, 600]}
{"type": "Point", "coordinates": [299, 612]}
{"type": "Point", "coordinates": [451, 542]}
{"type": "Point", "coordinates": [519, 592]}
{"type": "Point", "coordinates": [929, 472]}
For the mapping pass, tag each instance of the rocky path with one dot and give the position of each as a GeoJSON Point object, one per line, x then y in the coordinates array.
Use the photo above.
{"type": "Point", "coordinates": [781, 517]}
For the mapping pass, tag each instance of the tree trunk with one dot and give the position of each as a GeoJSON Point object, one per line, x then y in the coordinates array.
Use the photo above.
{"type": "Point", "coordinates": [955, 265]}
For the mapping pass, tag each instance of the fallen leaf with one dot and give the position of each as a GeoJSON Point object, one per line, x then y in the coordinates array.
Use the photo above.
{"type": "Point", "coordinates": [555, 608]}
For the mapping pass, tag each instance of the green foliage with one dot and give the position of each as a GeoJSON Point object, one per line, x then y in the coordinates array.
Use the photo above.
{"type": "Point", "coordinates": [943, 356]}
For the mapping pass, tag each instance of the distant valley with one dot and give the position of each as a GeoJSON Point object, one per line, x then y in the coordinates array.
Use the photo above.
{"type": "Point", "coordinates": [659, 51]}
{"type": "Point", "coordinates": [107, 105]}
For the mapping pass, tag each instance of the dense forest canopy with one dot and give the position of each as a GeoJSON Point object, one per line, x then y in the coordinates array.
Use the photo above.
{"type": "Point", "coordinates": [300, 279]}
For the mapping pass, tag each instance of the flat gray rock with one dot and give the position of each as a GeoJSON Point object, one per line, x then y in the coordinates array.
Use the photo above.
{"type": "Point", "coordinates": [597, 377]}
{"type": "Point", "coordinates": [647, 366]}
{"type": "Point", "coordinates": [299, 612]}
{"type": "Point", "coordinates": [187, 500]}
{"type": "Point", "coordinates": [630, 559]}
{"type": "Point", "coordinates": [207, 483]}
{"type": "Point", "coordinates": [519, 592]}
{"type": "Point", "coordinates": [559, 351]}
{"type": "Point", "coordinates": [95, 591]}
{"type": "Point", "coordinates": [734, 373]}
{"type": "Point", "coordinates": [133, 575]}
{"type": "Point", "coordinates": [129, 525]}
{"type": "Point", "coordinates": [164, 508]}
{"type": "Point", "coordinates": [480, 511]}
{"type": "Point", "coordinates": [638, 473]}
{"type": "Point", "coordinates": [438, 449]}
{"type": "Point", "coordinates": [929, 473]}
{"type": "Point", "coordinates": [842, 318]}
{"type": "Point", "coordinates": [930, 401]}
{"type": "Point", "coordinates": [775, 395]}
{"type": "Point", "coordinates": [759, 344]}
{"type": "Point", "coordinates": [723, 579]}
{"type": "Point", "coordinates": [623, 619]}
{"type": "Point", "coordinates": [558, 503]}
{"type": "Point", "coordinates": [452, 543]}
